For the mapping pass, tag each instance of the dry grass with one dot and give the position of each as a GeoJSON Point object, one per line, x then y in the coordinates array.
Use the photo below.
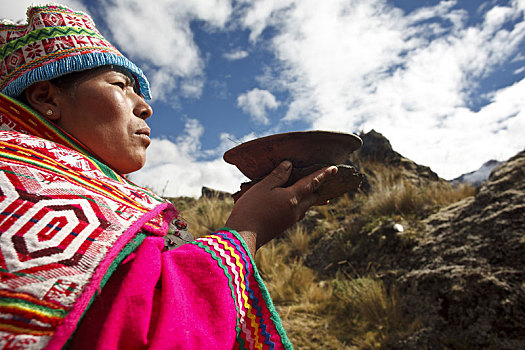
{"type": "Point", "coordinates": [333, 314]}
{"type": "Point", "coordinates": [207, 215]}
{"type": "Point", "coordinates": [336, 312]}
{"type": "Point", "coordinates": [376, 319]}
{"type": "Point", "coordinates": [309, 329]}
{"type": "Point", "coordinates": [409, 200]}
{"type": "Point", "coordinates": [286, 277]}
{"type": "Point", "coordinates": [394, 194]}
{"type": "Point", "coordinates": [298, 239]}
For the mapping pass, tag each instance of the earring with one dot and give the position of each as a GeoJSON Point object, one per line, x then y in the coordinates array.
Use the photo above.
{"type": "Point", "coordinates": [49, 112]}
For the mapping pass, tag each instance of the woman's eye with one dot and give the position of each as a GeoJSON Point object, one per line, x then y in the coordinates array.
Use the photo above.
{"type": "Point", "coordinates": [120, 84]}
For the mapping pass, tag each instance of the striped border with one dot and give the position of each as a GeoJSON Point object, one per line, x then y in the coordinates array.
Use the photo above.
{"type": "Point", "coordinates": [46, 33]}
{"type": "Point", "coordinates": [258, 324]}
{"type": "Point", "coordinates": [38, 126]}
{"type": "Point", "coordinates": [29, 315]}
{"type": "Point", "coordinates": [27, 157]}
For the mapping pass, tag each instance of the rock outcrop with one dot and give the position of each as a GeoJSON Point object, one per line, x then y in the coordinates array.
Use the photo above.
{"type": "Point", "coordinates": [466, 277]}
{"type": "Point", "coordinates": [377, 148]}
{"type": "Point", "coordinates": [462, 276]}
{"type": "Point", "coordinates": [208, 192]}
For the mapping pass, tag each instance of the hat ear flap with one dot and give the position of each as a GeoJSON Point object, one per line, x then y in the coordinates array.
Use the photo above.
{"type": "Point", "coordinates": [43, 97]}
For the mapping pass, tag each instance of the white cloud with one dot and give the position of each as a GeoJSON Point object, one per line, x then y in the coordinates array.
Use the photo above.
{"type": "Point", "coordinates": [261, 14]}
{"type": "Point", "coordinates": [174, 169]}
{"type": "Point", "coordinates": [16, 10]}
{"type": "Point", "coordinates": [255, 103]}
{"type": "Point", "coordinates": [236, 55]}
{"type": "Point", "coordinates": [363, 64]}
{"type": "Point", "coordinates": [159, 34]}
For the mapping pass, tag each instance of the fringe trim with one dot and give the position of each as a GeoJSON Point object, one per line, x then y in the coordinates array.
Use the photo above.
{"type": "Point", "coordinates": [76, 63]}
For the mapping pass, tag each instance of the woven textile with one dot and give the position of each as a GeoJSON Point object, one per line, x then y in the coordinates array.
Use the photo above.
{"type": "Point", "coordinates": [258, 325]}
{"type": "Point", "coordinates": [55, 41]}
{"type": "Point", "coordinates": [64, 219]}
{"type": "Point", "coordinates": [203, 295]}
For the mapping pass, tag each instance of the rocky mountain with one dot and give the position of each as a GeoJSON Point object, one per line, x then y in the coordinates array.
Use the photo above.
{"type": "Point", "coordinates": [465, 277]}
{"type": "Point", "coordinates": [476, 177]}
{"type": "Point", "coordinates": [460, 273]}
{"type": "Point", "coordinates": [377, 149]}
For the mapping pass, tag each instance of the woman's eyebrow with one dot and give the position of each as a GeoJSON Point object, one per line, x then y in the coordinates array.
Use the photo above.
{"type": "Point", "coordinates": [126, 77]}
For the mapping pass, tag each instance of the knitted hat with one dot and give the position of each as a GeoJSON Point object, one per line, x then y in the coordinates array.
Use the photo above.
{"type": "Point", "coordinates": [55, 41]}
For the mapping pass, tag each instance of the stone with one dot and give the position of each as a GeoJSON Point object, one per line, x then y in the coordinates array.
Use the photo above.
{"type": "Point", "coordinates": [207, 192]}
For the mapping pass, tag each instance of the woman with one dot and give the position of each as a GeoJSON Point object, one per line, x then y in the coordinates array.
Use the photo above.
{"type": "Point", "coordinates": [84, 258]}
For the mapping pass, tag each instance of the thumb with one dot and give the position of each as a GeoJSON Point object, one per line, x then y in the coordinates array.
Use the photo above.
{"type": "Point", "coordinates": [279, 175]}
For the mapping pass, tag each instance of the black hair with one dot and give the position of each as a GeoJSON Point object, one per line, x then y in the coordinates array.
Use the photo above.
{"type": "Point", "coordinates": [69, 81]}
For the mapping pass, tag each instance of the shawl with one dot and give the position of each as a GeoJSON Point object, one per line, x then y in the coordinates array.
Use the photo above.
{"type": "Point", "coordinates": [67, 221]}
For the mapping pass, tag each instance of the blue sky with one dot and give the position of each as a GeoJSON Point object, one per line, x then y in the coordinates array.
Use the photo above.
{"type": "Point", "coordinates": [442, 80]}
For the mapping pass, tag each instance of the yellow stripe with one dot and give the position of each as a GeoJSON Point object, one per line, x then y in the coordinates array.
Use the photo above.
{"type": "Point", "coordinates": [48, 162]}
{"type": "Point", "coordinates": [247, 306]}
{"type": "Point", "coordinates": [9, 328]}
{"type": "Point", "coordinates": [14, 307]}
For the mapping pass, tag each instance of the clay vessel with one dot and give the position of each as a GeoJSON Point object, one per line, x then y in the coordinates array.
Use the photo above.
{"type": "Point", "coordinates": [257, 158]}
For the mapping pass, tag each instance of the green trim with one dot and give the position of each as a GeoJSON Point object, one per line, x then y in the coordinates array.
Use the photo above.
{"type": "Point", "coordinates": [46, 311]}
{"type": "Point", "coordinates": [264, 291]}
{"type": "Point", "coordinates": [45, 33]}
{"type": "Point", "coordinates": [122, 255]}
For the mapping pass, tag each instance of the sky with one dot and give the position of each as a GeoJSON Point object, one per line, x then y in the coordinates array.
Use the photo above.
{"type": "Point", "coordinates": [444, 81]}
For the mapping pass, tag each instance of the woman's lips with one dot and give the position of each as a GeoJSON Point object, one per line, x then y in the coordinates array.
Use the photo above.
{"type": "Point", "coordinates": [144, 131]}
{"type": "Point", "coordinates": [144, 135]}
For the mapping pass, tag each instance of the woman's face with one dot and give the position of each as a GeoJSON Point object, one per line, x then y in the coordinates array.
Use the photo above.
{"type": "Point", "coordinates": [104, 112]}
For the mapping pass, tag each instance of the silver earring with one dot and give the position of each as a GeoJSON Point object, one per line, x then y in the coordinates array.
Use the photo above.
{"type": "Point", "coordinates": [49, 112]}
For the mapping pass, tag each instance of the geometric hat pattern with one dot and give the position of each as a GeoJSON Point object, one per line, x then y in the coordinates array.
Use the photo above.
{"type": "Point", "coordinates": [56, 41]}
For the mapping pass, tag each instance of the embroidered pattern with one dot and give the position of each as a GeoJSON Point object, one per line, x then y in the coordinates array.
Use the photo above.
{"type": "Point", "coordinates": [64, 217]}
{"type": "Point", "coordinates": [55, 41]}
{"type": "Point", "coordinates": [258, 324]}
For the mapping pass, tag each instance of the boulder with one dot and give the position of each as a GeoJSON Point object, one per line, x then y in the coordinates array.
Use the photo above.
{"type": "Point", "coordinates": [207, 192]}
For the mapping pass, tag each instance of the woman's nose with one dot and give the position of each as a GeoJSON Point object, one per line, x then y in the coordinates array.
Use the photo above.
{"type": "Point", "coordinates": [142, 109]}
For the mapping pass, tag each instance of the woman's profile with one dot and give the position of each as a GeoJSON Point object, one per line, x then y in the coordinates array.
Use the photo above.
{"type": "Point", "coordinates": [89, 260]}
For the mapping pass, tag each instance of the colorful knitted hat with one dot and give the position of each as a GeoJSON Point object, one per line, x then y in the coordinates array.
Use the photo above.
{"type": "Point", "coordinates": [55, 41]}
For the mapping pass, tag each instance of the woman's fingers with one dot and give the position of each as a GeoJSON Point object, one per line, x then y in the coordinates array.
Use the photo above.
{"type": "Point", "coordinates": [306, 188]}
{"type": "Point", "coordinates": [267, 208]}
{"type": "Point", "coordinates": [279, 175]}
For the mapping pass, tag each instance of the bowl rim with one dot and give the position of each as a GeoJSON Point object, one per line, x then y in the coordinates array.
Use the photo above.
{"type": "Point", "coordinates": [354, 141]}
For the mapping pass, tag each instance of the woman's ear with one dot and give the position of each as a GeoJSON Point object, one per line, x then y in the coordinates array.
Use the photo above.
{"type": "Point", "coordinates": [43, 97]}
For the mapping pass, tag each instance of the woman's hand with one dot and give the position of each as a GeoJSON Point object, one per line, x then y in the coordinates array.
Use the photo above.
{"type": "Point", "coordinates": [267, 209]}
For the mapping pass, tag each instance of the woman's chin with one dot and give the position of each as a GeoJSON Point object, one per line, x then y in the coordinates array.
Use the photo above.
{"type": "Point", "coordinates": [128, 167]}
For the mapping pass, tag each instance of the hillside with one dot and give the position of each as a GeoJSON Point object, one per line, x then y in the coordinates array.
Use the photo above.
{"type": "Point", "coordinates": [407, 262]}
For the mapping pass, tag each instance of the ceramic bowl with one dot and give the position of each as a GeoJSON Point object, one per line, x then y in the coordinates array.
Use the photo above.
{"type": "Point", "coordinates": [307, 150]}
{"type": "Point", "coordinates": [257, 158]}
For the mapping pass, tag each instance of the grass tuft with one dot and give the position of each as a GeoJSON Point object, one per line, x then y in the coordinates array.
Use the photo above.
{"type": "Point", "coordinates": [409, 200]}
